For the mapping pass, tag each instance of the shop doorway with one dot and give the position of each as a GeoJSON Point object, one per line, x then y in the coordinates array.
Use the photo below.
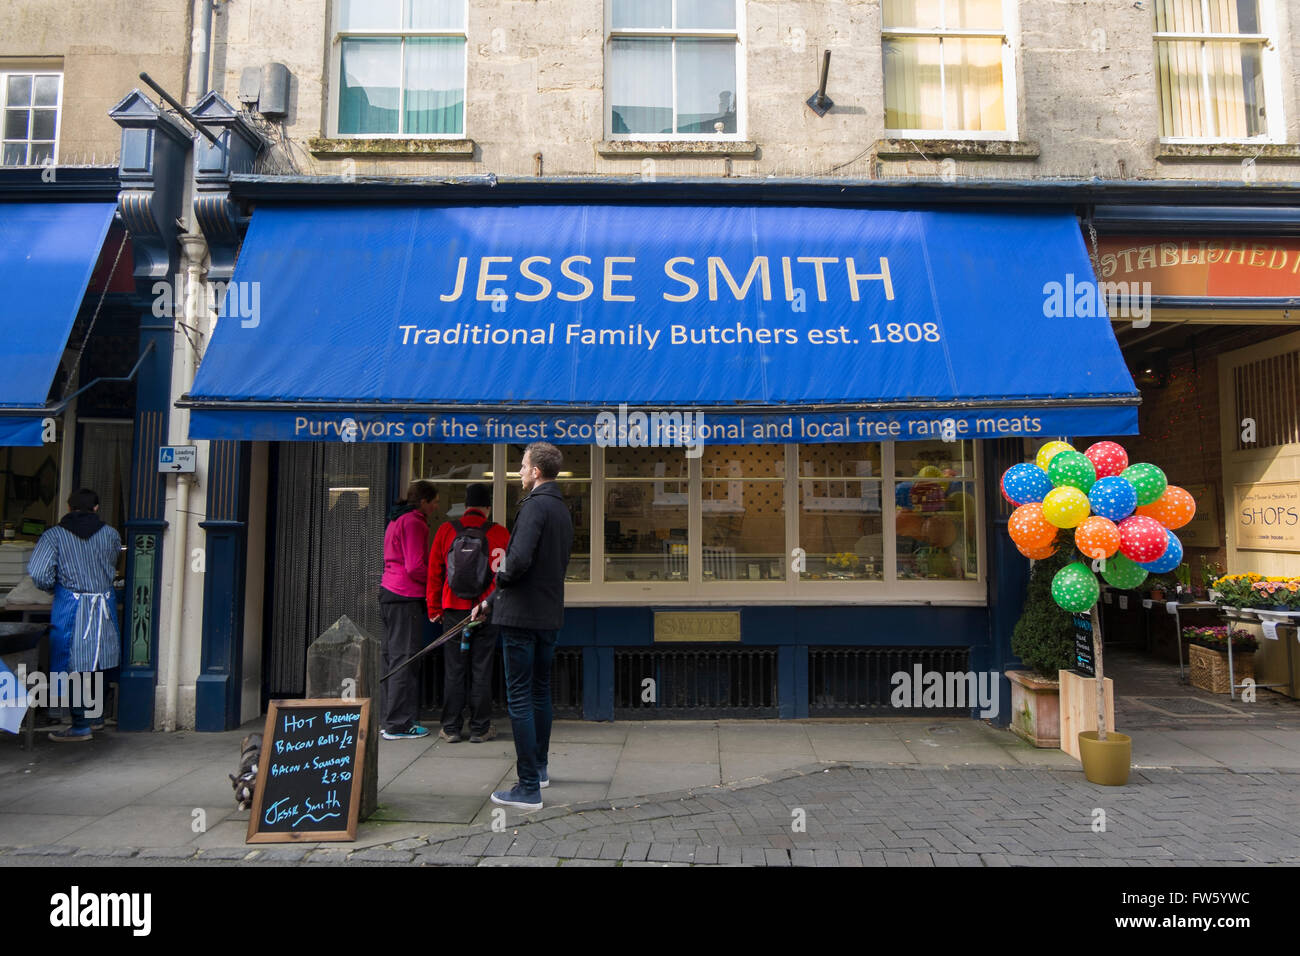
{"type": "Point", "coordinates": [326, 560]}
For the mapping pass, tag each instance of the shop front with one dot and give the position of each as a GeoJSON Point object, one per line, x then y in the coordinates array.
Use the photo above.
{"type": "Point", "coordinates": [66, 330]}
{"type": "Point", "coordinates": [1218, 365]}
{"type": "Point", "coordinates": [778, 423]}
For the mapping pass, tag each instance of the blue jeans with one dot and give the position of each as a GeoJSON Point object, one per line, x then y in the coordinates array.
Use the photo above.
{"type": "Point", "coordinates": [528, 656]}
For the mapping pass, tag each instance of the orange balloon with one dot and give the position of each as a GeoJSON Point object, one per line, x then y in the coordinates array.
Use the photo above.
{"type": "Point", "coordinates": [940, 531]}
{"type": "Point", "coordinates": [1097, 537]}
{"type": "Point", "coordinates": [1175, 508]}
{"type": "Point", "coordinates": [908, 524]}
{"type": "Point", "coordinates": [1039, 554]}
{"type": "Point", "coordinates": [1028, 527]}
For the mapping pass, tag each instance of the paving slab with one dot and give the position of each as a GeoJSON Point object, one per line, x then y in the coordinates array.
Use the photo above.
{"type": "Point", "coordinates": [426, 807]}
{"type": "Point", "coordinates": [638, 778]}
{"type": "Point", "coordinates": [145, 826]}
{"type": "Point", "coordinates": [35, 829]}
{"type": "Point", "coordinates": [449, 777]}
{"type": "Point", "coordinates": [744, 765]}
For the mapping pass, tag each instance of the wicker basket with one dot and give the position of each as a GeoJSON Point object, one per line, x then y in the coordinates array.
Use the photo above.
{"type": "Point", "coordinates": [1209, 668]}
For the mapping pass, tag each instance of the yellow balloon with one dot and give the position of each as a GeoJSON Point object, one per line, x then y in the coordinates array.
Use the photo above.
{"type": "Point", "coordinates": [1066, 507]}
{"type": "Point", "coordinates": [1050, 451]}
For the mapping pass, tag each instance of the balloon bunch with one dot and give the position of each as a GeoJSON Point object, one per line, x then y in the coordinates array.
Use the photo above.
{"type": "Point", "coordinates": [1122, 515]}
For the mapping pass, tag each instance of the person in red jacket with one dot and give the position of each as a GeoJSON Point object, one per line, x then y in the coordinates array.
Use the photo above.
{"type": "Point", "coordinates": [401, 594]}
{"type": "Point", "coordinates": [463, 562]}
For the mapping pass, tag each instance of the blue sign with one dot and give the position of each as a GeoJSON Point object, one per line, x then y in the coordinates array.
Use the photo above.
{"type": "Point", "coordinates": [672, 307]}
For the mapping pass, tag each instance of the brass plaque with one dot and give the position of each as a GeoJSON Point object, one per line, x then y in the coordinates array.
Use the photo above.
{"type": "Point", "coordinates": [697, 626]}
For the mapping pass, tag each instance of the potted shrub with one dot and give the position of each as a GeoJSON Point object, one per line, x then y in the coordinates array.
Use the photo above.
{"type": "Point", "coordinates": [1207, 653]}
{"type": "Point", "coordinates": [1183, 573]}
{"type": "Point", "coordinates": [1044, 640]}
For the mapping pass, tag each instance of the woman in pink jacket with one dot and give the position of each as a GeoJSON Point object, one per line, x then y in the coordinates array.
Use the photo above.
{"type": "Point", "coordinates": [401, 608]}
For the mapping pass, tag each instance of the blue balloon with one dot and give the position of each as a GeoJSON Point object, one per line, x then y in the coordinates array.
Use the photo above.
{"type": "Point", "coordinates": [903, 494]}
{"type": "Point", "coordinates": [1172, 557]}
{"type": "Point", "coordinates": [1025, 483]}
{"type": "Point", "coordinates": [1113, 498]}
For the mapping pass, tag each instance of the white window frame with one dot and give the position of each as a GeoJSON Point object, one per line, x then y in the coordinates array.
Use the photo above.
{"type": "Point", "coordinates": [672, 33]}
{"type": "Point", "coordinates": [1009, 78]}
{"type": "Point", "coordinates": [697, 592]}
{"type": "Point", "coordinates": [336, 81]}
{"type": "Point", "coordinates": [1274, 120]}
{"type": "Point", "coordinates": [33, 70]}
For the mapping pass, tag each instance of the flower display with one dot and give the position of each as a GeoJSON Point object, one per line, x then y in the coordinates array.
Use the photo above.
{"type": "Point", "coordinates": [1216, 638]}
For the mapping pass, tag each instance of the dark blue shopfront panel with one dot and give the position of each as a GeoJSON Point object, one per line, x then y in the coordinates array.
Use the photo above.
{"type": "Point", "coordinates": [47, 254]}
{"type": "Point", "coordinates": [585, 307]}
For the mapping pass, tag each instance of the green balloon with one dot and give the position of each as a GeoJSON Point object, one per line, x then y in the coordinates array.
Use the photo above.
{"type": "Point", "coordinates": [1072, 468]}
{"type": "Point", "coordinates": [1075, 588]}
{"type": "Point", "coordinates": [1147, 480]}
{"type": "Point", "coordinates": [1122, 573]}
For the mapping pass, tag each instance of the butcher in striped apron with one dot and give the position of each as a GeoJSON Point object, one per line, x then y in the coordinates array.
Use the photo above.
{"type": "Point", "coordinates": [77, 560]}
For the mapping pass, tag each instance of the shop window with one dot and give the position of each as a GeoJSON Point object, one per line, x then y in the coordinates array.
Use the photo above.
{"type": "Point", "coordinates": [832, 521]}
{"type": "Point", "coordinates": [948, 68]}
{"type": "Point", "coordinates": [30, 104]}
{"type": "Point", "coordinates": [452, 468]}
{"type": "Point", "coordinates": [646, 499]}
{"type": "Point", "coordinates": [575, 484]}
{"type": "Point", "coordinates": [841, 525]}
{"type": "Point", "coordinates": [934, 497]}
{"type": "Point", "coordinates": [1214, 66]}
{"type": "Point", "coordinates": [401, 68]}
{"type": "Point", "coordinates": [742, 512]}
{"type": "Point", "coordinates": [674, 69]}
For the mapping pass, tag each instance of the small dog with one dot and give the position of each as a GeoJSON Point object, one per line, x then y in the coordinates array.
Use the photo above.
{"type": "Point", "coordinates": [250, 754]}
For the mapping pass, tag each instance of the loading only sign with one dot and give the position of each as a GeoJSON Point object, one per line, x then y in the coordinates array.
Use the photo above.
{"type": "Point", "coordinates": [177, 458]}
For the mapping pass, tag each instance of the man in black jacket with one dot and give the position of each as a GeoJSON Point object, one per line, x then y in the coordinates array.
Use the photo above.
{"type": "Point", "coordinates": [528, 608]}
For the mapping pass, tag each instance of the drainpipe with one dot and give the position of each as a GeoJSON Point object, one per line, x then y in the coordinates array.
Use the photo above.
{"type": "Point", "coordinates": [195, 317]}
{"type": "Point", "coordinates": [205, 40]}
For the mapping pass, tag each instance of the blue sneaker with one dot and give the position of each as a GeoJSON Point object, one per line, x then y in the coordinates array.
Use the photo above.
{"type": "Point", "coordinates": [78, 735]}
{"type": "Point", "coordinates": [415, 730]}
{"type": "Point", "coordinates": [543, 778]}
{"type": "Point", "coordinates": [518, 797]}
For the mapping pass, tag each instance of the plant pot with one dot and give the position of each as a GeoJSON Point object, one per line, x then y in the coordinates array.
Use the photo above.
{"type": "Point", "coordinates": [1106, 762]}
{"type": "Point", "coordinates": [1157, 595]}
{"type": "Point", "coordinates": [1035, 708]}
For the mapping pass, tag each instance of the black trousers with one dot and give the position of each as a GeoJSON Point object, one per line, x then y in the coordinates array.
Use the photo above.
{"type": "Point", "coordinates": [399, 696]}
{"type": "Point", "coordinates": [468, 676]}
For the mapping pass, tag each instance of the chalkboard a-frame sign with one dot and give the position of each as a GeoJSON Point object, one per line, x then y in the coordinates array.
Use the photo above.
{"type": "Point", "coordinates": [1085, 658]}
{"type": "Point", "coordinates": [309, 777]}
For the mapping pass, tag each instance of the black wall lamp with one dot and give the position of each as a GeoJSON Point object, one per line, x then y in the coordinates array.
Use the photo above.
{"type": "Point", "coordinates": [819, 102]}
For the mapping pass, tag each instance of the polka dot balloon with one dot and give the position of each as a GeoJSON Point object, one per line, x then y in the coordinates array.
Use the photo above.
{"type": "Point", "coordinates": [1049, 451]}
{"type": "Point", "coordinates": [1065, 507]}
{"type": "Point", "coordinates": [1029, 528]}
{"type": "Point", "coordinates": [1024, 483]}
{"type": "Point", "coordinates": [1108, 458]}
{"type": "Point", "coordinates": [1097, 537]}
{"type": "Point", "coordinates": [1039, 554]}
{"type": "Point", "coordinates": [1147, 480]}
{"type": "Point", "coordinates": [1112, 498]}
{"type": "Point", "coordinates": [1071, 469]}
{"type": "Point", "coordinates": [1122, 573]}
{"type": "Point", "coordinates": [1174, 509]}
{"type": "Point", "coordinates": [1142, 539]}
{"type": "Point", "coordinates": [1075, 588]}
{"type": "Point", "coordinates": [1172, 557]}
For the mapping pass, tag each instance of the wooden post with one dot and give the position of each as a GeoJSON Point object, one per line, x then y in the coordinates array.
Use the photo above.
{"type": "Point", "coordinates": [1101, 676]}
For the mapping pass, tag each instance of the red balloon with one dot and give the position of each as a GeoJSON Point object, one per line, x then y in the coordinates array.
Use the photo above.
{"type": "Point", "coordinates": [1142, 539]}
{"type": "Point", "coordinates": [1107, 457]}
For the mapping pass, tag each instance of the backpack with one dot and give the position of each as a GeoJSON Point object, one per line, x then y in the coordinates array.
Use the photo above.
{"type": "Point", "coordinates": [469, 562]}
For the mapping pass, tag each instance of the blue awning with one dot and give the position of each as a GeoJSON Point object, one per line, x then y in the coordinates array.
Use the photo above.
{"type": "Point", "coordinates": [496, 323]}
{"type": "Point", "coordinates": [48, 252]}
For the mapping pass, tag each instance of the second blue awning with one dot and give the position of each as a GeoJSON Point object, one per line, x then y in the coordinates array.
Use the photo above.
{"type": "Point", "coordinates": [441, 323]}
{"type": "Point", "coordinates": [48, 252]}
